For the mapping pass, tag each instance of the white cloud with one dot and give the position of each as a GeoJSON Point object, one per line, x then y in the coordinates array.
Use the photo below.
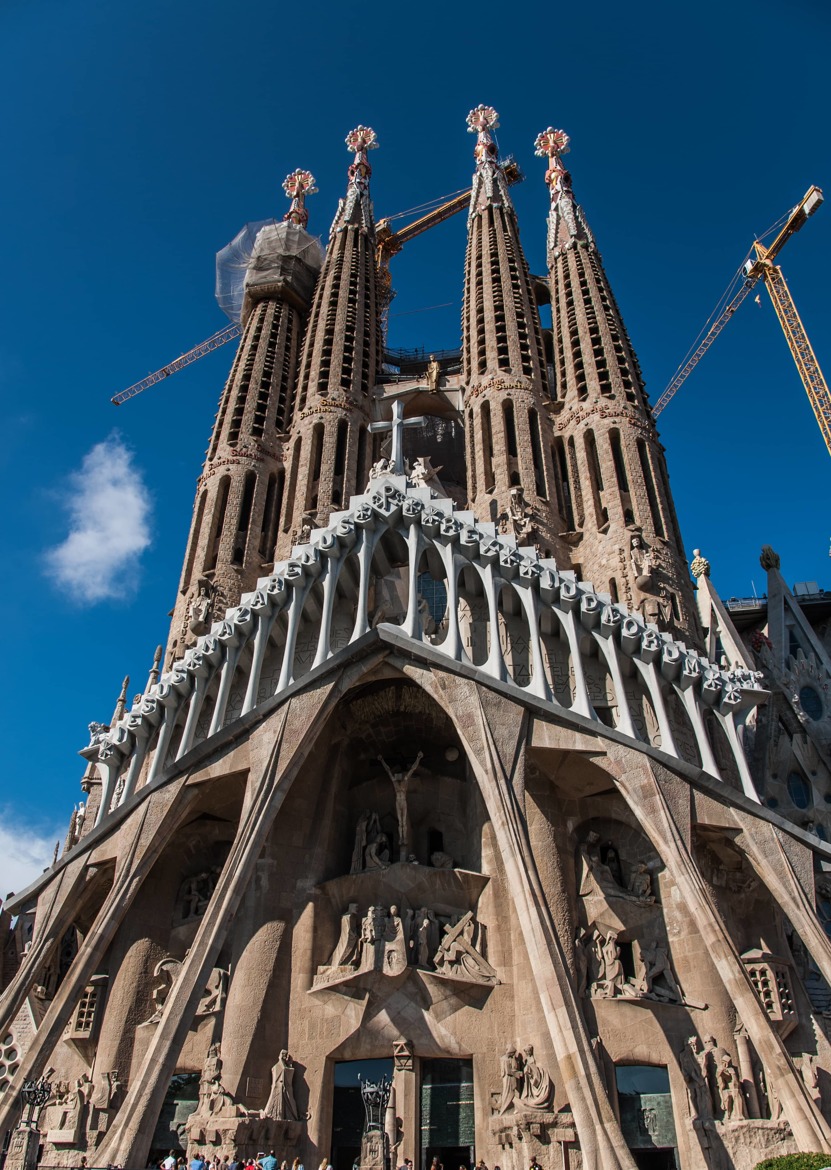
{"type": "Point", "coordinates": [109, 524]}
{"type": "Point", "coordinates": [25, 852]}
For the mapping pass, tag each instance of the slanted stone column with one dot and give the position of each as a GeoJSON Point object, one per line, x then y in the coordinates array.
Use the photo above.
{"type": "Point", "coordinates": [156, 822]}
{"type": "Point", "coordinates": [639, 785]}
{"type": "Point", "coordinates": [280, 754]}
{"type": "Point", "coordinates": [494, 741]}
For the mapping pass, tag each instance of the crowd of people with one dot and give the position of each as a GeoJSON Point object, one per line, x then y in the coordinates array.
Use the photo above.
{"type": "Point", "coordinates": [261, 1162]}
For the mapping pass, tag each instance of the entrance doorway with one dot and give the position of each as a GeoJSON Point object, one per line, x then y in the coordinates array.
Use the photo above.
{"type": "Point", "coordinates": [646, 1116]}
{"type": "Point", "coordinates": [348, 1108]}
{"type": "Point", "coordinates": [447, 1118]}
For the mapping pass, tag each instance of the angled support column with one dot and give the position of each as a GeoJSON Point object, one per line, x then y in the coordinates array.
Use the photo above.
{"type": "Point", "coordinates": [151, 836]}
{"type": "Point", "coordinates": [128, 1141]}
{"type": "Point", "coordinates": [776, 871]}
{"type": "Point", "coordinates": [57, 906]}
{"type": "Point", "coordinates": [645, 797]}
{"type": "Point", "coordinates": [602, 1144]}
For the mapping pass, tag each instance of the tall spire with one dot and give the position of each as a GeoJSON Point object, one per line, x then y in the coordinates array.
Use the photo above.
{"type": "Point", "coordinates": [340, 362]}
{"type": "Point", "coordinates": [489, 182]}
{"type": "Point", "coordinates": [239, 494]}
{"type": "Point", "coordinates": [510, 468]}
{"type": "Point", "coordinates": [611, 476]}
{"type": "Point", "coordinates": [566, 220]}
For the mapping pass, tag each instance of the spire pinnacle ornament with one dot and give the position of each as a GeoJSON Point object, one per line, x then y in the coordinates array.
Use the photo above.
{"type": "Point", "coordinates": [551, 144]}
{"type": "Point", "coordinates": [360, 140]}
{"type": "Point", "coordinates": [481, 121]}
{"type": "Point", "coordinates": [297, 186]}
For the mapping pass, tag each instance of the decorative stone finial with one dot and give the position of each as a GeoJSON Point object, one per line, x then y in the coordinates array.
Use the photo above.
{"type": "Point", "coordinates": [552, 144]}
{"type": "Point", "coordinates": [769, 559]}
{"type": "Point", "coordinates": [481, 121]}
{"type": "Point", "coordinates": [362, 139]}
{"type": "Point", "coordinates": [297, 186]}
{"type": "Point", "coordinates": [699, 565]}
{"type": "Point", "coordinates": [121, 702]}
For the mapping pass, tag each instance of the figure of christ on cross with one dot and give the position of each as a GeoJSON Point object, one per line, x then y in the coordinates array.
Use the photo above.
{"type": "Point", "coordinates": [400, 782]}
{"type": "Point", "coordinates": [397, 427]}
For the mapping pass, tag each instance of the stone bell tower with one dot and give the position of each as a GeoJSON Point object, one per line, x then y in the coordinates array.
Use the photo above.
{"type": "Point", "coordinates": [509, 439]}
{"type": "Point", "coordinates": [327, 458]}
{"type": "Point", "coordinates": [612, 483]}
{"type": "Point", "coordinates": [239, 493]}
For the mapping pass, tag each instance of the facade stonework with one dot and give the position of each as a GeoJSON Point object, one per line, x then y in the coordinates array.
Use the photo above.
{"type": "Point", "coordinates": [453, 789]}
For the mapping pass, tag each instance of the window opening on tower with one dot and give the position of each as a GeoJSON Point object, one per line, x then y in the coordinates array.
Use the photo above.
{"type": "Point", "coordinates": [596, 478]}
{"type": "Point", "coordinates": [651, 494]}
{"type": "Point", "coordinates": [487, 445]}
{"type": "Point", "coordinates": [536, 453]}
{"type": "Point", "coordinates": [241, 537]}
{"type": "Point", "coordinates": [219, 522]}
{"type": "Point", "coordinates": [295, 460]}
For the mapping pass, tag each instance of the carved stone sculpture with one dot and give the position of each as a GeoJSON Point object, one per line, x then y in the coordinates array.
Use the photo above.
{"type": "Point", "coordinates": [612, 977]}
{"type": "Point", "coordinates": [537, 1088]}
{"type": "Point", "coordinates": [640, 883]}
{"type": "Point", "coordinates": [426, 940]}
{"type": "Point", "coordinates": [658, 980]}
{"type": "Point", "coordinates": [458, 956]}
{"type": "Point", "coordinates": [281, 1105]}
{"type": "Point", "coordinates": [213, 999]}
{"type": "Point", "coordinates": [165, 973]}
{"type": "Point", "coordinates": [693, 1070]}
{"type": "Point", "coordinates": [346, 953]}
{"type": "Point", "coordinates": [107, 1091]}
{"type": "Point", "coordinates": [433, 374]}
{"type": "Point", "coordinates": [641, 560]}
{"type": "Point", "coordinates": [510, 1072]}
{"type": "Point", "coordinates": [367, 829]}
{"type": "Point", "coordinates": [519, 514]}
{"type": "Point", "coordinates": [378, 853]}
{"type": "Point", "coordinates": [441, 860]}
{"type": "Point", "coordinates": [400, 782]}
{"type": "Point", "coordinates": [730, 1090]}
{"type": "Point", "coordinates": [395, 943]}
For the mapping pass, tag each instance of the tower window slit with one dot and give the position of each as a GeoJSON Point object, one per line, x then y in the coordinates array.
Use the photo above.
{"type": "Point", "coordinates": [561, 480]}
{"type": "Point", "coordinates": [471, 454]}
{"type": "Point", "coordinates": [340, 448]}
{"type": "Point", "coordinates": [536, 452]}
{"type": "Point", "coordinates": [595, 478]}
{"type": "Point", "coordinates": [218, 523]}
{"type": "Point", "coordinates": [651, 494]}
{"type": "Point", "coordinates": [241, 538]}
{"type": "Point", "coordinates": [194, 539]}
{"type": "Point", "coordinates": [487, 445]}
{"type": "Point", "coordinates": [268, 509]}
{"type": "Point", "coordinates": [295, 461]}
{"type": "Point", "coordinates": [574, 480]}
{"type": "Point", "coordinates": [510, 429]}
{"type": "Point", "coordinates": [315, 465]}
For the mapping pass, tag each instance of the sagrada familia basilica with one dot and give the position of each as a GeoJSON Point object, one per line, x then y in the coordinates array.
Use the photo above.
{"type": "Point", "coordinates": [457, 820]}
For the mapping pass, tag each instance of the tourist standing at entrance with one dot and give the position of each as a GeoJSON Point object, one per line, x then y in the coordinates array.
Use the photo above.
{"type": "Point", "coordinates": [269, 1162]}
{"type": "Point", "coordinates": [170, 1162]}
{"type": "Point", "coordinates": [197, 1162]}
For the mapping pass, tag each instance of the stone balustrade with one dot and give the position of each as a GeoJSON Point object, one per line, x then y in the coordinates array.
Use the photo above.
{"type": "Point", "coordinates": [509, 616]}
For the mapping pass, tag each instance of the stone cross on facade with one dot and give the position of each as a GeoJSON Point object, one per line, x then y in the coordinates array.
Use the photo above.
{"type": "Point", "coordinates": [397, 427]}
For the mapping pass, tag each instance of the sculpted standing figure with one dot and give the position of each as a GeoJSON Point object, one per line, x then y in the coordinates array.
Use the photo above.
{"type": "Point", "coordinates": [730, 1090]}
{"type": "Point", "coordinates": [691, 1059]}
{"type": "Point", "coordinates": [510, 1070]}
{"type": "Point", "coordinates": [433, 374]}
{"type": "Point", "coordinates": [400, 782]}
{"type": "Point", "coordinates": [281, 1104]}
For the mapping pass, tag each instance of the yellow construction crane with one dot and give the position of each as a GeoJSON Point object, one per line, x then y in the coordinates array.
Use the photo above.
{"type": "Point", "coordinates": [389, 244]}
{"type": "Point", "coordinates": [763, 268]}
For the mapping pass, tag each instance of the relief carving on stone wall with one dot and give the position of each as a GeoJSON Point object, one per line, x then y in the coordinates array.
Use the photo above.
{"type": "Point", "coordinates": [523, 1108]}
{"type": "Point", "coordinates": [622, 952]}
{"type": "Point", "coordinates": [390, 941]}
{"type": "Point", "coordinates": [165, 974]}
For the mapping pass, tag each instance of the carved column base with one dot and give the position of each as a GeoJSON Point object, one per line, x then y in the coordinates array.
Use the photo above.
{"type": "Point", "coordinates": [23, 1148]}
{"type": "Point", "coordinates": [373, 1151]}
{"type": "Point", "coordinates": [537, 1128]}
{"type": "Point", "coordinates": [243, 1133]}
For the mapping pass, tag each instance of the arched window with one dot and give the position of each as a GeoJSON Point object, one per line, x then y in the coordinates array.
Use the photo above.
{"type": "Point", "coordinates": [799, 790]}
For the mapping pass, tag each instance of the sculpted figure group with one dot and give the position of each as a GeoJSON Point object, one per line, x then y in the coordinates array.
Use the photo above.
{"type": "Point", "coordinates": [714, 1086]}
{"type": "Point", "coordinates": [601, 973]}
{"type": "Point", "coordinates": [384, 939]}
{"type": "Point", "coordinates": [525, 1084]}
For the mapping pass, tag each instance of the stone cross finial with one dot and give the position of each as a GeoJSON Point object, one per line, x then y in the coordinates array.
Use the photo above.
{"type": "Point", "coordinates": [397, 427]}
{"type": "Point", "coordinates": [297, 186]}
{"type": "Point", "coordinates": [699, 565]}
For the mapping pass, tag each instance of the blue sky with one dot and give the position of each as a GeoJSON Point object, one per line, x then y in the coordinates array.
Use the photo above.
{"type": "Point", "coordinates": [140, 137]}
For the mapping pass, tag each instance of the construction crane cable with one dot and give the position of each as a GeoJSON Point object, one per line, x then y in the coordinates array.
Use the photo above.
{"type": "Point", "coordinates": [429, 205]}
{"type": "Point", "coordinates": [723, 300]}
